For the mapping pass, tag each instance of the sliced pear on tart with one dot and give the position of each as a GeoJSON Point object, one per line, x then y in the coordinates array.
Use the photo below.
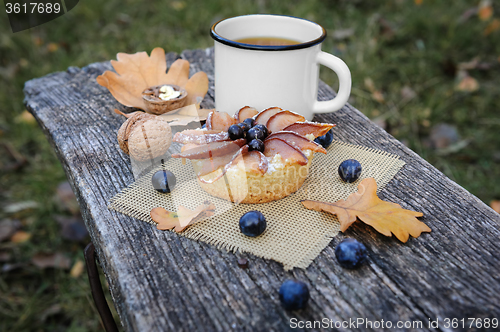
{"type": "Point", "coordinates": [297, 140]}
{"type": "Point", "coordinates": [306, 128]}
{"type": "Point", "coordinates": [220, 121]}
{"type": "Point", "coordinates": [210, 150]}
{"type": "Point", "coordinates": [263, 116]}
{"type": "Point", "coordinates": [288, 153]}
{"type": "Point", "coordinates": [282, 120]}
{"type": "Point", "coordinates": [245, 113]}
{"type": "Point", "coordinates": [212, 164]}
{"type": "Point", "coordinates": [198, 136]}
{"type": "Point", "coordinates": [256, 162]}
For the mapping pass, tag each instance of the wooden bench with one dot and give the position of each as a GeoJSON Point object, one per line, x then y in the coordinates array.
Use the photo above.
{"type": "Point", "coordinates": [161, 281]}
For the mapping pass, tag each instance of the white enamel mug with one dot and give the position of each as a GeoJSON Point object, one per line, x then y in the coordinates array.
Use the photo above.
{"type": "Point", "coordinates": [265, 76]}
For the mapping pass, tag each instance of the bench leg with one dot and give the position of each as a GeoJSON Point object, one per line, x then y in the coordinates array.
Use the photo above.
{"type": "Point", "coordinates": [96, 288]}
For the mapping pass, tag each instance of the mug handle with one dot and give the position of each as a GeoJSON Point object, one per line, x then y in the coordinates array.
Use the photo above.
{"type": "Point", "coordinates": [344, 75]}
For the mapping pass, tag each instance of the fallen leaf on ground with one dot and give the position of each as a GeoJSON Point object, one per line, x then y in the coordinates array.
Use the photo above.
{"type": "Point", "coordinates": [485, 10]}
{"type": "Point", "coordinates": [443, 135]}
{"type": "Point", "coordinates": [137, 72]}
{"type": "Point", "coordinates": [178, 5]}
{"type": "Point", "coordinates": [66, 199]}
{"type": "Point", "coordinates": [418, 2]}
{"type": "Point", "coordinates": [407, 93]}
{"type": "Point", "coordinates": [495, 205]}
{"type": "Point", "coordinates": [453, 148]}
{"type": "Point", "coordinates": [467, 84]}
{"type": "Point", "coordinates": [385, 217]}
{"type": "Point", "coordinates": [20, 206]}
{"type": "Point", "coordinates": [25, 117]}
{"type": "Point", "coordinates": [376, 94]}
{"type": "Point", "coordinates": [52, 47]}
{"type": "Point", "coordinates": [9, 72]}
{"type": "Point", "coordinates": [72, 228]}
{"type": "Point", "coordinates": [77, 269]}
{"type": "Point", "coordinates": [20, 237]}
{"type": "Point", "coordinates": [57, 260]}
{"type": "Point", "coordinates": [8, 227]}
{"type": "Point", "coordinates": [182, 218]}
{"type": "Point", "coordinates": [492, 27]}
{"type": "Point", "coordinates": [38, 41]}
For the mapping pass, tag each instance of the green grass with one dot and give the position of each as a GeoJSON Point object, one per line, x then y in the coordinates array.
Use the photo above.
{"type": "Point", "coordinates": [396, 44]}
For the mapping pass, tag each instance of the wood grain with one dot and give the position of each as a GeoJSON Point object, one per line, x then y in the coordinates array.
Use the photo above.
{"type": "Point", "coordinates": [161, 281]}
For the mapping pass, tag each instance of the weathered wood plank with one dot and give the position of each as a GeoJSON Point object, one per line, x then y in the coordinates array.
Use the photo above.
{"type": "Point", "coordinates": [160, 281]}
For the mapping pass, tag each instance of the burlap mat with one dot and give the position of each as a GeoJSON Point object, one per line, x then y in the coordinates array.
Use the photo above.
{"type": "Point", "coordinates": [294, 235]}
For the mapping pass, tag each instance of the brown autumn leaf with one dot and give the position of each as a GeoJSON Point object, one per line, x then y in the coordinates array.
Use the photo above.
{"type": "Point", "coordinates": [492, 27]}
{"type": "Point", "coordinates": [25, 117]}
{"type": "Point", "coordinates": [55, 260]}
{"type": "Point", "coordinates": [485, 10]}
{"type": "Point", "coordinates": [385, 217]}
{"type": "Point", "coordinates": [182, 218]}
{"type": "Point", "coordinates": [466, 83]}
{"type": "Point", "coordinates": [20, 237]}
{"type": "Point", "coordinates": [185, 115]}
{"type": "Point", "coordinates": [77, 269]}
{"type": "Point", "coordinates": [8, 227]}
{"type": "Point", "coordinates": [495, 205]}
{"type": "Point", "coordinates": [376, 94]}
{"type": "Point", "coordinates": [137, 72]}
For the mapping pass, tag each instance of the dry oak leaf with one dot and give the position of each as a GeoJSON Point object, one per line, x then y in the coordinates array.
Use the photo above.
{"type": "Point", "coordinates": [485, 10]}
{"type": "Point", "coordinates": [182, 218]}
{"type": "Point", "coordinates": [137, 72]}
{"type": "Point", "coordinates": [385, 217]}
{"type": "Point", "coordinates": [185, 115]}
{"type": "Point", "coordinates": [495, 205]}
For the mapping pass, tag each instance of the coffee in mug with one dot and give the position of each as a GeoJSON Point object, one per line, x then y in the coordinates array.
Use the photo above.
{"type": "Point", "coordinates": [267, 41]}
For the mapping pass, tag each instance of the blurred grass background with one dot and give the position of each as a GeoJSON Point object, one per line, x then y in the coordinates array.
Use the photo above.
{"type": "Point", "coordinates": [426, 71]}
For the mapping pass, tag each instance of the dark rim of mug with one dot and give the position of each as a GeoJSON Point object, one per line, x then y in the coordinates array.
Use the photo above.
{"type": "Point", "coordinates": [236, 44]}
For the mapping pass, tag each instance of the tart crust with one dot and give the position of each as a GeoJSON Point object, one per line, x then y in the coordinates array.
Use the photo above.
{"type": "Point", "coordinates": [240, 186]}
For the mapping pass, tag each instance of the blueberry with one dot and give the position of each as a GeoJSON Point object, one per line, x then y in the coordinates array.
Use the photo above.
{"type": "Point", "coordinates": [256, 144]}
{"type": "Point", "coordinates": [326, 139]}
{"type": "Point", "coordinates": [350, 170]}
{"type": "Point", "coordinates": [255, 133]}
{"type": "Point", "coordinates": [243, 126]}
{"type": "Point", "coordinates": [263, 129]}
{"type": "Point", "coordinates": [235, 132]}
{"type": "Point", "coordinates": [250, 122]}
{"type": "Point", "coordinates": [164, 181]}
{"type": "Point", "coordinates": [253, 223]}
{"type": "Point", "coordinates": [294, 294]}
{"type": "Point", "coordinates": [350, 253]}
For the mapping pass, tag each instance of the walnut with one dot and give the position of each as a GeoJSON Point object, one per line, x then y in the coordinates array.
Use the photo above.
{"type": "Point", "coordinates": [145, 136]}
{"type": "Point", "coordinates": [157, 105]}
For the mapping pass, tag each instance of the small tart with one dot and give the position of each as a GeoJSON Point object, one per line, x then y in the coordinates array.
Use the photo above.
{"type": "Point", "coordinates": [229, 169]}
